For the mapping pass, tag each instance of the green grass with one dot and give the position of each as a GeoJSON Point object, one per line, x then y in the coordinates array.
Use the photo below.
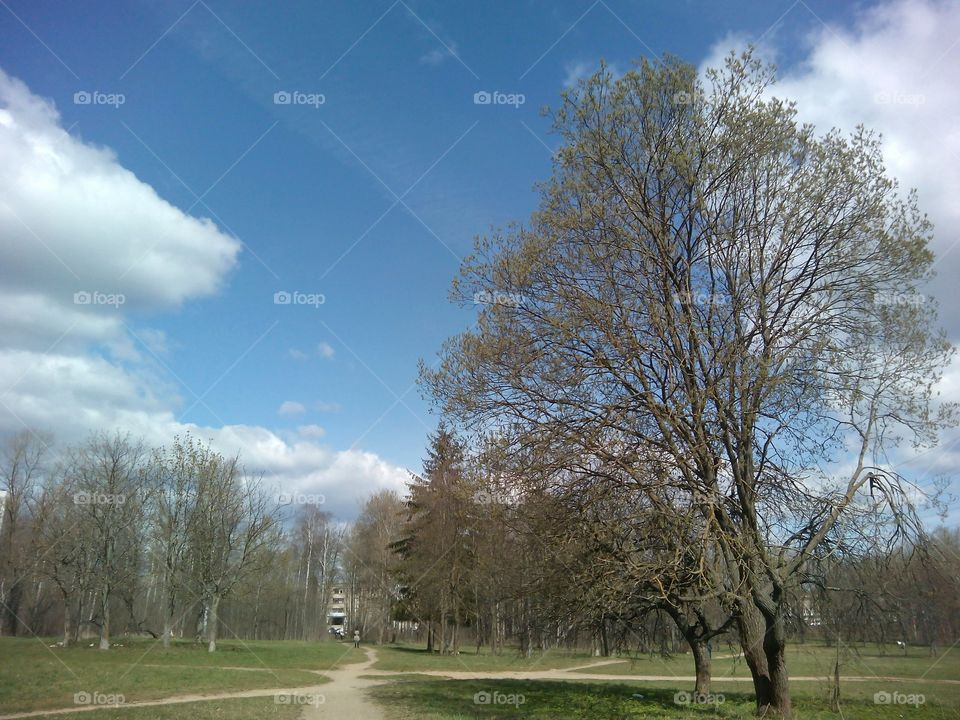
{"type": "Point", "coordinates": [808, 659]}
{"type": "Point", "coordinates": [413, 658]}
{"type": "Point", "coordinates": [235, 709]}
{"type": "Point", "coordinates": [35, 676]}
{"type": "Point", "coordinates": [586, 700]}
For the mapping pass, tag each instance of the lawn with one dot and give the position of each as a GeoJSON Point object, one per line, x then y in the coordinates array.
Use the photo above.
{"type": "Point", "coordinates": [808, 659]}
{"type": "Point", "coordinates": [35, 676]}
{"type": "Point", "coordinates": [233, 709]}
{"type": "Point", "coordinates": [587, 700]}
{"type": "Point", "coordinates": [413, 658]}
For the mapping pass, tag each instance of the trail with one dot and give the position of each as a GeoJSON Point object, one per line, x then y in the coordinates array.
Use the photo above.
{"type": "Point", "coordinates": [344, 697]}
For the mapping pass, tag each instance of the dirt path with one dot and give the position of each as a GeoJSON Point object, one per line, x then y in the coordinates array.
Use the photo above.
{"type": "Point", "coordinates": [567, 674]}
{"type": "Point", "coordinates": [344, 697]}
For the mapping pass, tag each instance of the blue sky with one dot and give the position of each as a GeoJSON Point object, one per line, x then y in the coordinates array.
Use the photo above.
{"type": "Point", "coordinates": [368, 199]}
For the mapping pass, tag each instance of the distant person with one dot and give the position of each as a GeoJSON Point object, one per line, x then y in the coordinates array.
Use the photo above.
{"type": "Point", "coordinates": [356, 638]}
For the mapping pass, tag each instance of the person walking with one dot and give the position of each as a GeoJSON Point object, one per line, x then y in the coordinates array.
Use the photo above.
{"type": "Point", "coordinates": [356, 638]}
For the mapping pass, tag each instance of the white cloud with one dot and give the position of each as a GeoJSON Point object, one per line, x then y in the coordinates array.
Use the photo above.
{"type": "Point", "coordinates": [291, 407]}
{"type": "Point", "coordinates": [66, 197]}
{"type": "Point", "coordinates": [325, 350]}
{"type": "Point", "coordinates": [72, 219]}
{"type": "Point", "coordinates": [311, 431]}
{"type": "Point", "coordinates": [297, 354]}
{"type": "Point", "coordinates": [893, 71]}
{"type": "Point", "coordinates": [438, 55]}
{"type": "Point", "coordinates": [580, 70]}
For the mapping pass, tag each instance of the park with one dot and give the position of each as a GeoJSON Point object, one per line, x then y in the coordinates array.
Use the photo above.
{"type": "Point", "coordinates": [355, 365]}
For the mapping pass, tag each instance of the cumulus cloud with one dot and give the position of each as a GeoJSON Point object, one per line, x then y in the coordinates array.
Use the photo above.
{"type": "Point", "coordinates": [580, 70]}
{"type": "Point", "coordinates": [325, 350]}
{"type": "Point", "coordinates": [311, 431]}
{"type": "Point", "coordinates": [86, 248]}
{"type": "Point", "coordinates": [291, 407]}
{"type": "Point", "coordinates": [892, 71]}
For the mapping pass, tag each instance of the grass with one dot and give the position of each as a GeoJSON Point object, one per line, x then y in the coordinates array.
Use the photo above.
{"type": "Point", "coordinates": [411, 658]}
{"type": "Point", "coordinates": [808, 660]}
{"type": "Point", "coordinates": [34, 676]}
{"type": "Point", "coordinates": [234, 709]}
{"type": "Point", "coordinates": [455, 700]}
{"type": "Point", "coordinates": [411, 696]}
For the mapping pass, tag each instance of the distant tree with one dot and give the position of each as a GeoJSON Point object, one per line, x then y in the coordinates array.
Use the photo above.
{"type": "Point", "coordinates": [375, 565]}
{"type": "Point", "coordinates": [21, 470]}
{"type": "Point", "coordinates": [229, 531]}
{"type": "Point", "coordinates": [436, 545]}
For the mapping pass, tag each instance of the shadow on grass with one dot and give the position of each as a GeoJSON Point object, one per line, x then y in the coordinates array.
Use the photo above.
{"type": "Point", "coordinates": [544, 699]}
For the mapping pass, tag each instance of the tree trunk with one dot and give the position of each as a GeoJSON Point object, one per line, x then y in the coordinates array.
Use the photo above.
{"type": "Point", "coordinates": [105, 618]}
{"type": "Point", "coordinates": [212, 622]}
{"type": "Point", "coordinates": [701, 661]}
{"type": "Point", "coordinates": [774, 647]}
{"type": "Point", "coordinates": [67, 620]}
{"type": "Point", "coordinates": [12, 608]}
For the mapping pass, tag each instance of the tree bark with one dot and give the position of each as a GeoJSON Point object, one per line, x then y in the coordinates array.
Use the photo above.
{"type": "Point", "coordinates": [212, 622]}
{"type": "Point", "coordinates": [701, 661]}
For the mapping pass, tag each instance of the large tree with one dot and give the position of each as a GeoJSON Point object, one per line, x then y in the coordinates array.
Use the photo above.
{"type": "Point", "coordinates": [712, 285]}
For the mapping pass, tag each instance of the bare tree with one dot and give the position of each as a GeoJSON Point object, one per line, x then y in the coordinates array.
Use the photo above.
{"type": "Point", "coordinates": [22, 466]}
{"type": "Point", "coordinates": [107, 480]}
{"type": "Point", "coordinates": [708, 283]}
{"type": "Point", "coordinates": [231, 526]}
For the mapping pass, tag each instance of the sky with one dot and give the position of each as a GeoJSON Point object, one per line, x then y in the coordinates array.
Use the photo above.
{"type": "Point", "coordinates": [241, 220]}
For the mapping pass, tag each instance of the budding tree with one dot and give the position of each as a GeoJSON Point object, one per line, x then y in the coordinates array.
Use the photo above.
{"type": "Point", "coordinates": [710, 283]}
